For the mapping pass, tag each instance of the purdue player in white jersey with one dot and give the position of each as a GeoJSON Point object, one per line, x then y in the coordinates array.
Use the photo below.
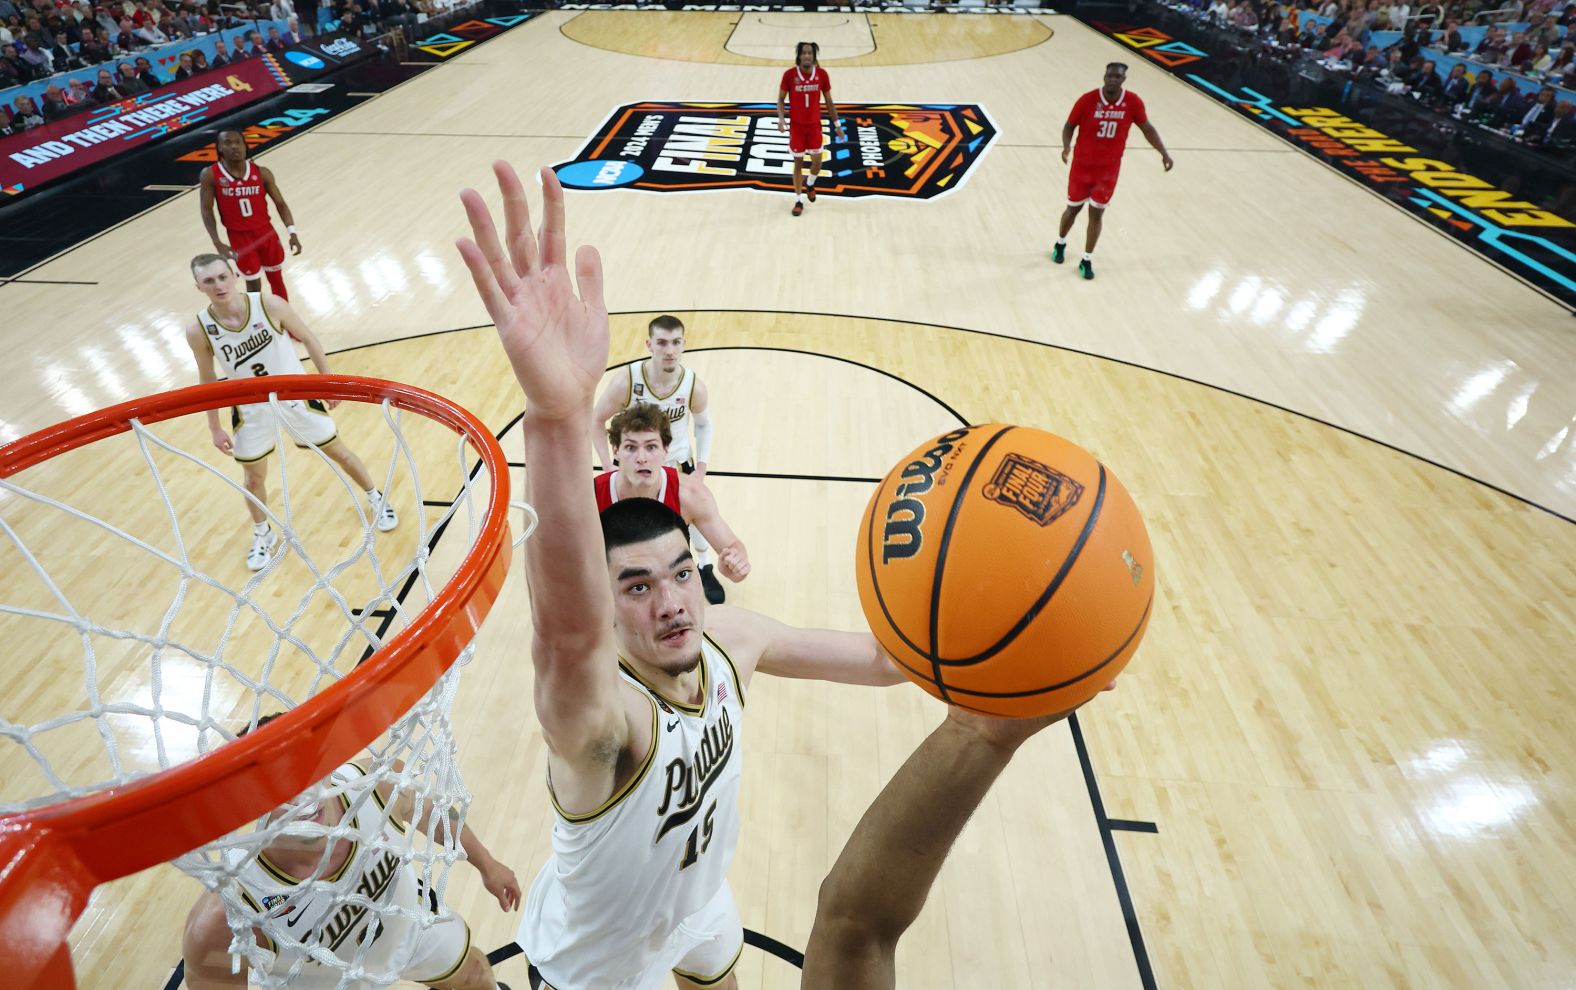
{"type": "Point", "coordinates": [368, 861]}
{"type": "Point", "coordinates": [644, 755]}
{"type": "Point", "coordinates": [663, 381]}
{"type": "Point", "coordinates": [245, 333]}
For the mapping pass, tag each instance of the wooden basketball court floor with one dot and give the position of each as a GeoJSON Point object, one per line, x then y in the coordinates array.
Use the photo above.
{"type": "Point", "coordinates": [1350, 726]}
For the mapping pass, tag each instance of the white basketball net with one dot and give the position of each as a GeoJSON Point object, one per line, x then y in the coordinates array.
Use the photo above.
{"type": "Point", "coordinates": [371, 893]}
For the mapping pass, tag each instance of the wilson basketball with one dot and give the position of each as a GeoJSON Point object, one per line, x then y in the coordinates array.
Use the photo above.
{"type": "Point", "coordinates": [1005, 570]}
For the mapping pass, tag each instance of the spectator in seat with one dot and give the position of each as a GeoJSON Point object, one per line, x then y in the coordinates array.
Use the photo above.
{"type": "Point", "coordinates": [126, 37]}
{"type": "Point", "coordinates": [146, 74]}
{"type": "Point", "coordinates": [199, 61]}
{"type": "Point", "coordinates": [183, 67]}
{"type": "Point", "coordinates": [1218, 11]}
{"type": "Point", "coordinates": [1243, 17]}
{"type": "Point", "coordinates": [1450, 40]}
{"type": "Point", "coordinates": [54, 105]}
{"type": "Point", "coordinates": [1483, 87]}
{"type": "Point", "coordinates": [254, 44]}
{"type": "Point", "coordinates": [1539, 115]}
{"type": "Point", "coordinates": [273, 42]}
{"type": "Point", "coordinates": [1518, 53]}
{"type": "Point", "coordinates": [150, 34]}
{"type": "Point", "coordinates": [105, 90]}
{"type": "Point", "coordinates": [221, 56]}
{"type": "Point", "coordinates": [1371, 62]}
{"type": "Point", "coordinates": [8, 125]}
{"type": "Point", "coordinates": [1505, 105]}
{"type": "Point", "coordinates": [27, 113]}
{"type": "Point", "coordinates": [126, 81]}
{"type": "Point", "coordinates": [92, 51]}
{"type": "Point", "coordinates": [1561, 132]}
{"type": "Point", "coordinates": [1427, 84]}
{"type": "Point", "coordinates": [1457, 87]}
{"type": "Point", "coordinates": [79, 94]}
{"type": "Point", "coordinates": [292, 35]}
{"type": "Point", "coordinates": [1491, 50]}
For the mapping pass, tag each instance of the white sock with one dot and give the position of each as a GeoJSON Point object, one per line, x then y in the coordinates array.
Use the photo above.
{"type": "Point", "coordinates": [374, 494]}
{"type": "Point", "coordinates": [810, 181]}
{"type": "Point", "coordinates": [261, 529]}
{"type": "Point", "coordinates": [1061, 242]}
{"type": "Point", "coordinates": [1088, 255]}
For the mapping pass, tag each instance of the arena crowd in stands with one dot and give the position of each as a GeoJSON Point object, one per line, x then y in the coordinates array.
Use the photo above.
{"type": "Point", "coordinates": [42, 38]}
{"type": "Point", "coordinates": [1508, 66]}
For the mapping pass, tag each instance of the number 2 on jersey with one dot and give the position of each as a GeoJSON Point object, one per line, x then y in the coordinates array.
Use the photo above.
{"type": "Point", "coordinates": [691, 851]}
{"type": "Point", "coordinates": [1107, 129]}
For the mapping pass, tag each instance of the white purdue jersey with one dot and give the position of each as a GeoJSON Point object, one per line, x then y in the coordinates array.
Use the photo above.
{"type": "Point", "coordinates": [253, 349]}
{"type": "Point", "coordinates": [676, 404]}
{"type": "Point", "coordinates": [622, 878]}
{"type": "Point", "coordinates": [319, 918]}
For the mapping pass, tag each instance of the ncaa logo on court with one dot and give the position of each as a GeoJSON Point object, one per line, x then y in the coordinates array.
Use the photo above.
{"type": "Point", "coordinates": [903, 150]}
{"type": "Point", "coordinates": [305, 60]}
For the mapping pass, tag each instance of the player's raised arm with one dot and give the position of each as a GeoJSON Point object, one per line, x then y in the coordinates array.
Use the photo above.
{"type": "Point", "coordinates": [607, 406]}
{"type": "Point", "coordinates": [557, 342]}
{"type": "Point", "coordinates": [206, 203]}
{"type": "Point", "coordinates": [771, 647]}
{"type": "Point", "coordinates": [272, 188]}
{"type": "Point", "coordinates": [499, 880]}
{"type": "Point", "coordinates": [881, 879]}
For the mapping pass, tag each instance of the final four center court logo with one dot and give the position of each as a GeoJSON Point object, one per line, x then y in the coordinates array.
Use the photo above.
{"type": "Point", "coordinates": [914, 151]}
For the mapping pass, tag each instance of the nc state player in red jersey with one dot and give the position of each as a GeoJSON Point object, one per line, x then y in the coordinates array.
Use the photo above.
{"type": "Point", "coordinates": [640, 437]}
{"type": "Point", "coordinates": [1102, 118]}
{"type": "Point", "coordinates": [242, 189]}
{"type": "Point", "coordinates": [802, 90]}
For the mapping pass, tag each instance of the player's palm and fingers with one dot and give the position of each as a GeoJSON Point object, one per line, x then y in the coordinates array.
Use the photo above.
{"type": "Point", "coordinates": [502, 884]}
{"type": "Point", "coordinates": [556, 340]}
{"type": "Point", "coordinates": [1001, 731]}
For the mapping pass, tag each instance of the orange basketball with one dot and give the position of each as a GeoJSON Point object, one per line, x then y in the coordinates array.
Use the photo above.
{"type": "Point", "coordinates": [1005, 570]}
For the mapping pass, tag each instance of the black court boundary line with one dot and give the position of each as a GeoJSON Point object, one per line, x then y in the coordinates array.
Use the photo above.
{"type": "Point", "coordinates": [300, 132]}
{"type": "Point", "coordinates": [1524, 500]}
{"type": "Point", "coordinates": [1135, 935]}
{"type": "Point", "coordinates": [19, 280]}
{"type": "Point", "coordinates": [1126, 825]}
{"type": "Point", "coordinates": [1230, 109]}
{"type": "Point", "coordinates": [1039, 14]}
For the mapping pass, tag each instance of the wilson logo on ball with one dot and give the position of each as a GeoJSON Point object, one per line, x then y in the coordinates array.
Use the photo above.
{"type": "Point", "coordinates": [1037, 490]}
{"type": "Point", "coordinates": [905, 515]}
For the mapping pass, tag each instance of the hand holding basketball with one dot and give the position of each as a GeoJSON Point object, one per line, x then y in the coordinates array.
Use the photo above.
{"type": "Point", "coordinates": [1008, 733]}
{"type": "Point", "coordinates": [556, 341]}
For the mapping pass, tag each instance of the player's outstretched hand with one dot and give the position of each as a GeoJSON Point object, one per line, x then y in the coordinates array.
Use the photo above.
{"type": "Point", "coordinates": [556, 341]}
{"type": "Point", "coordinates": [221, 440]}
{"type": "Point", "coordinates": [734, 564]}
{"type": "Point", "coordinates": [1167, 162]}
{"type": "Point", "coordinates": [501, 883]}
{"type": "Point", "coordinates": [1008, 733]}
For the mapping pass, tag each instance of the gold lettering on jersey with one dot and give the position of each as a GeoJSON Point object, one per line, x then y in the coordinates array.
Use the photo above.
{"type": "Point", "coordinates": [237, 353]}
{"type": "Point", "coordinates": [375, 882]}
{"type": "Point", "coordinates": [688, 781]}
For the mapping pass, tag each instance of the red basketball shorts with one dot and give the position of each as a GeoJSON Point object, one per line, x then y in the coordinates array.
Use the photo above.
{"type": "Point", "coordinates": [1094, 186]}
{"type": "Point", "coordinates": [804, 138]}
{"type": "Point", "coordinates": [257, 251]}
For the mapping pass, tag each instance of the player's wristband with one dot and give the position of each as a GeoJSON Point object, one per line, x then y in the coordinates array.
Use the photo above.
{"type": "Point", "coordinates": [290, 229]}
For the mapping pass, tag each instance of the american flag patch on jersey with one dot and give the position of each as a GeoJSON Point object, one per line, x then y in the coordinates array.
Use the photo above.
{"type": "Point", "coordinates": [722, 691]}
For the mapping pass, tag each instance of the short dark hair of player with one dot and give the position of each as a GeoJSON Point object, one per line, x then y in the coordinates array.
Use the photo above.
{"type": "Point", "coordinates": [642, 418]}
{"type": "Point", "coordinates": [1116, 65]}
{"type": "Point", "coordinates": [204, 260]}
{"type": "Point", "coordinates": [636, 520]}
{"type": "Point", "coordinates": [666, 324]}
{"type": "Point", "coordinates": [260, 723]}
{"type": "Point", "coordinates": [815, 51]}
{"type": "Point", "coordinates": [220, 136]}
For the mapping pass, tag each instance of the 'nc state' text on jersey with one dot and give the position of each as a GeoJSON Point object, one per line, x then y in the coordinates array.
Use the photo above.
{"type": "Point", "coordinates": [688, 781]}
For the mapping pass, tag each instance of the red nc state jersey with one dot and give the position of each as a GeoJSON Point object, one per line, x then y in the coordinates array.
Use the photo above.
{"type": "Point", "coordinates": [1102, 128]}
{"type": "Point", "coordinates": [804, 93]}
{"type": "Point", "coordinates": [242, 203]}
{"type": "Point", "coordinates": [606, 487]}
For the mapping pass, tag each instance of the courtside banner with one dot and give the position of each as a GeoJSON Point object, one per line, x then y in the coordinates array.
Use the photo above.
{"type": "Point", "coordinates": [55, 150]}
{"type": "Point", "coordinates": [903, 150]}
{"type": "Point", "coordinates": [313, 57]}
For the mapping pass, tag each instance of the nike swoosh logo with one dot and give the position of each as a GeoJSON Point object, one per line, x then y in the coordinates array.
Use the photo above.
{"type": "Point", "coordinates": [673, 725]}
{"type": "Point", "coordinates": [293, 917]}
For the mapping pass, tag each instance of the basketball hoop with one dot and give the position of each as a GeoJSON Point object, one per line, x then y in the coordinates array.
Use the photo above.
{"type": "Point", "coordinates": [53, 855]}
